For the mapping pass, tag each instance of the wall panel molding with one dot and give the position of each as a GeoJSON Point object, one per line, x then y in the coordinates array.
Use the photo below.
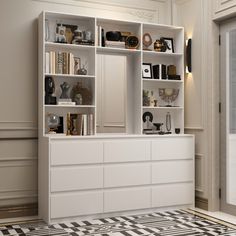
{"type": "Point", "coordinates": [199, 157]}
{"type": "Point", "coordinates": [17, 129]}
{"type": "Point", "coordinates": [147, 11]}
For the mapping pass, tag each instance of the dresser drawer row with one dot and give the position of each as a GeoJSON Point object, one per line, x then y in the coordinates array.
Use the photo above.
{"type": "Point", "coordinates": [120, 175]}
{"type": "Point", "coordinates": [69, 152]}
{"type": "Point", "coordinates": [94, 202]}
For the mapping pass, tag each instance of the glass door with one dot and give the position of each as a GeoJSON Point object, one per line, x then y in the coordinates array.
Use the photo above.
{"type": "Point", "coordinates": [228, 116]}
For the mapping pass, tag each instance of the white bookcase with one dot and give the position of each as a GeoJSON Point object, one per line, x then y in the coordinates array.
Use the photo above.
{"type": "Point", "coordinates": [135, 58]}
{"type": "Point", "coordinates": [80, 176]}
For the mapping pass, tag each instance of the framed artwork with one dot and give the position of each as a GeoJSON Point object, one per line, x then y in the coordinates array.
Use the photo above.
{"type": "Point", "coordinates": [169, 44]}
{"type": "Point", "coordinates": [147, 70]}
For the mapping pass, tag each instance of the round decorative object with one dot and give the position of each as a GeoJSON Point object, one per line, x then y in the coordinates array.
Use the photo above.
{"type": "Point", "coordinates": [53, 122]}
{"type": "Point", "coordinates": [113, 35]}
{"type": "Point", "coordinates": [147, 116]}
{"type": "Point", "coordinates": [132, 42]}
{"type": "Point", "coordinates": [147, 41]}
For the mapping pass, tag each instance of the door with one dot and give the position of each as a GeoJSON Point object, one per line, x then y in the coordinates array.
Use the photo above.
{"type": "Point", "coordinates": [111, 93]}
{"type": "Point", "coordinates": [228, 116]}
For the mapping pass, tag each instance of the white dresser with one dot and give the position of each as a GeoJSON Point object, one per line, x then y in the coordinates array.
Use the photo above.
{"type": "Point", "coordinates": [81, 176]}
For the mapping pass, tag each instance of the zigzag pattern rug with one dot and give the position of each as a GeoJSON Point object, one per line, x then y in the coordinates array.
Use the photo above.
{"type": "Point", "coordinates": [168, 223]}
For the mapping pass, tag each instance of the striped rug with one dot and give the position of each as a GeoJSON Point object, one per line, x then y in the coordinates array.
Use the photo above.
{"type": "Point", "coordinates": [168, 223]}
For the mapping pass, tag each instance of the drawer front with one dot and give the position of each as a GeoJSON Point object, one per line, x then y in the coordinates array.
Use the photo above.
{"type": "Point", "coordinates": [172, 171]}
{"type": "Point", "coordinates": [126, 151]}
{"type": "Point", "coordinates": [76, 152]}
{"type": "Point", "coordinates": [173, 195]}
{"type": "Point", "coordinates": [68, 205]}
{"type": "Point", "coordinates": [173, 148]}
{"type": "Point", "coordinates": [128, 199]}
{"type": "Point", "coordinates": [127, 175]}
{"type": "Point", "coordinates": [76, 178]}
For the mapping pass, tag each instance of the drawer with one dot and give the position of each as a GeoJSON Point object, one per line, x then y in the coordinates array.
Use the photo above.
{"type": "Point", "coordinates": [173, 195]}
{"type": "Point", "coordinates": [173, 148]}
{"type": "Point", "coordinates": [172, 171]}
{"type": "Point", "coordinates": [127, 199]}
{"type": "Point", "coordinates": [68, 205]}
{"type": "Point", "coordinates": [76, 178]}
{"type": "Point", "coordinates": [126, 151]}
{"type": "Point", "coordinates": [126, 175]}
{"type": "Point", "coordinates": [76, 152]}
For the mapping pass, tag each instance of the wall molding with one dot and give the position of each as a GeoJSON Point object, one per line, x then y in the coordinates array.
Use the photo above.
{"type": "Point", "coordinates": [148, 11]}
{"type": "Point", "coordinates": [35, 158]}
{"type": "Point", "coordinates": [200, 157]}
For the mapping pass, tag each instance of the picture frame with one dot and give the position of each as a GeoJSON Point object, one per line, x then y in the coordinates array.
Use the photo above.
{"type": "Point", "coordinates": [147, 70]}
{"type": "Point", "coordinates": [169, 44]}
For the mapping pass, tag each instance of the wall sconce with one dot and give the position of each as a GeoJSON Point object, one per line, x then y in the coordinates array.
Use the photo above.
{"type": "Point", "coordinates": [189, 56]}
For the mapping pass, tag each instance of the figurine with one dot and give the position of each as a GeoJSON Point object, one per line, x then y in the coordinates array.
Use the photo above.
{"type": "Point", "coordinates": [65, 88]}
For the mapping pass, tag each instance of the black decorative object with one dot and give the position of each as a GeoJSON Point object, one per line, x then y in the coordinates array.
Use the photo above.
{"type": "Point", "coordinates": [147, 116]}
{"type": "Point", "coordinates": [159, 71]}
{"type": "Point", "coordinates": [132, 42]}
{"type": "Point", "coordinates": [113, 35]}
{"type": "Point", "coordinates": [177, 130]}
{"type": "Point", "coordinates": [49, 90]}
{"type": "Point", "coordinates": [189, 55]}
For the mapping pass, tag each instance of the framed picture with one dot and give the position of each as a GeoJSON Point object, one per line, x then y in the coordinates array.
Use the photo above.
{"type": "Point", "coordinates": [147, 70]}
{"type": "Point", "coordinates": [169, 44]}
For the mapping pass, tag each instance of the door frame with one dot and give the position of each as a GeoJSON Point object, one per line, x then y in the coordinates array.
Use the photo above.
{"type": "Point", "coordinates": [225, 27]}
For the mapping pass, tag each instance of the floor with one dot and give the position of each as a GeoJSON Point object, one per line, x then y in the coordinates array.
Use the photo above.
{"type": "Point", "coordinates": [166, 223]}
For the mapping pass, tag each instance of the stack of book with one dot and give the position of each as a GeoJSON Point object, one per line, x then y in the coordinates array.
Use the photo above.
{"type": "Point", "coordinates": [59, 63]}
{"type": "Point", "coordinates": [80, 124]}
{"type": "Point", "coordinates": [115, 44]}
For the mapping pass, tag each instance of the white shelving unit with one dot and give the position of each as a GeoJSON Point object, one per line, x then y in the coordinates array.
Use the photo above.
{"type": "Point", "coordinates": [137, 57]}
{"type": "Point", "coordinates": [110, 173]}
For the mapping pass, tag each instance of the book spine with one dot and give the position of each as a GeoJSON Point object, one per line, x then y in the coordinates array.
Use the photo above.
{"type": "Point", "coordinates": [47, 62]}
{"type": "Point", "coordinates": [90, 124]}
{"type": "Point", "coordinates": [80, 124]}
{"type": "Point", "coordinates": [103, 38]}
{"type": "Point", "coordinates": [56, 62]}
{"type": "Point", "coordinates": [64, 63]}
{"type": "Point", "coordinates": [85, 125]}
{"type": "Point", "coordinates": [53, 62]}
{"type": "Point", "coordinates": [60, 63]}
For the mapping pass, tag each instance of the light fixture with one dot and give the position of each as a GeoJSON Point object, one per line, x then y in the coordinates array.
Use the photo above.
{"type": "Point", "coordinates": [189, 56]}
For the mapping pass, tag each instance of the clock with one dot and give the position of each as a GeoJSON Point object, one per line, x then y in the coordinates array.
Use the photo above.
{"type": "Point", "coordinates": [132, 42]}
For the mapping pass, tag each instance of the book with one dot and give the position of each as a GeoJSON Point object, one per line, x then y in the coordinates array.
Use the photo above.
{"type": "Point", "coordinates": [159, 71]}
{"type": "Point", "coordinates": [47, 62]}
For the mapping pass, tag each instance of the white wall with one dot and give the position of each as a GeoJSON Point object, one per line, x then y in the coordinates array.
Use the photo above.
{"type": "Point", "coordinates": [18, 73]}
{"type": "Point", "coordinates": [202, 92]}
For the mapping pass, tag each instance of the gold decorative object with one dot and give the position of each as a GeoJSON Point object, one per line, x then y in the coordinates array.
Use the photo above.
{"type": "Point", "coordinates": [168, 95]}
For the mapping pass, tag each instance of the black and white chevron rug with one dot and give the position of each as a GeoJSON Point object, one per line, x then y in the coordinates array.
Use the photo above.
{"type": "Point", "coordinates": [168, 223]}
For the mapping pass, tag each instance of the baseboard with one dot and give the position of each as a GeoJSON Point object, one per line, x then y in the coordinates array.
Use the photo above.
{"type": "Point", "coordinates": [19, 211]}
{"type": "Point", "coordinates": [201, 203]}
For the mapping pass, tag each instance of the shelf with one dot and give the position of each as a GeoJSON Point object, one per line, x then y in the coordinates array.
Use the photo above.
{"type": "Point", "coordinates": [75, 106]}
{"type": "Point", "coordinates": [165, 54]}
{"type": "Point", "coordinates": [117, 50]}
{"type": "Point", "coordinates": [68, 46]}
{"type": "Point", "coordinates": [164, 108]}
{"type": "Point", "coordinates": [71, 76]}
{"type": "Point", "coordinates": [162, 81]}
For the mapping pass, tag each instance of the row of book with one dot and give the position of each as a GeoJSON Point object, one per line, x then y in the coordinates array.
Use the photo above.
{"type": "Point", "coordinates": [59, 63]}
{"type": "Point", "coordinates": [80, 124]}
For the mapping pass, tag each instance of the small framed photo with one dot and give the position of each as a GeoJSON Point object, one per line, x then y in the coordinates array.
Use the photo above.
{"type": "Point", "coordinates": [147, 70]}
{"type": "Point", "coordinates": [169, 44]}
